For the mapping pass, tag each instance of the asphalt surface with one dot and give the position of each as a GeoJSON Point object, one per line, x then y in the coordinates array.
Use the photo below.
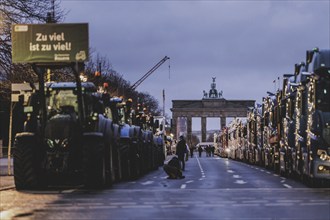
{"type": "Point", "coordinates": [6, 174]}
{"type": "Point", "coordinates": [213, 188]}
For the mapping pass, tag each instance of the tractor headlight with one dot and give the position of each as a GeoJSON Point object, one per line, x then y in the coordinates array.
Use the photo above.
{"type": "Point", "coordinates": [65, 143]}
{"type": "Point", "coordinates": [95, 116]}
{"type": "Point", "coordinates": [50, 143]}
{"type": "Point", "coordinates": [322, 154]}
{"type": "Point", "coordinates": [92, 122]}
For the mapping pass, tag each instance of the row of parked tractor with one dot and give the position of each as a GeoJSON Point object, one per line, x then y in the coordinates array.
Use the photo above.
{"type": "Point", "coordinates": [289, 131]}
{"type": "Point", "coordinates": [74, 134]}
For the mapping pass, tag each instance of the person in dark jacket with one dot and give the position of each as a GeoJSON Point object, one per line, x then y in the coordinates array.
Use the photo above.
{"type": "Point", "coordinates": [181, 149]}
{"type": "Point", "coordinates": [173, 169]}
{"type": "Point", "coordinates": [191, 149]}
{"type": "Point", "coordinates": [200, 150]}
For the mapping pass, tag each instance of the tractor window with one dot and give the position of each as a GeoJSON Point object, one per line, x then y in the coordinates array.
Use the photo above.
{"type": "Point", "coordinates": [121, 114]}
{"type": "Point", "coordinates": [323, 95]}
{"type": "Point", "coordinates": [108, 113]}
{"type": "Point", "coordinates": [59, 100]}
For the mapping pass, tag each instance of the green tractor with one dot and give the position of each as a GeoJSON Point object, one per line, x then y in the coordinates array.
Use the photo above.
{"type": "Point", "coordinates": [66, 138]}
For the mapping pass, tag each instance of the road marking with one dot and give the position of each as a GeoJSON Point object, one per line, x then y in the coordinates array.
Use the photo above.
{"type": "Point", "coordinates": [246, 198]}
{"type": "Point", "coordinates": [240, 182]}
{"type": "Point", "coordinates": [183, 186]}
{"type": "Point", "coordinates": [289, 200]}
{"type": "Point", "coordinates": [255, 201]}
{"type": "Point", "coordinates": [190, 181]}
{"type": "Point", "coordinates": [190, 202]}
{"type": "Point", "coordinates": [68, 191]}
{"type": "Point", "coordinates": [279, 204]}
{"type": "Point", "coordinates": [200, 167]}
{"type": "Point", "coordinates": [210, 205]}
{"type": "Point", "coordinates": [245, 204]}
{"type": "Point", "coordinates": [156, 203]}
{"type": "Point", "coordinates": [122, 203]}
{"type": "Point", "coordinates": [317, 204]}
{"type": "Point", "coordinates": [230, 171]}
{"type": "Point", "coordinates": [319, 200]}
{"type": "Point", "coordinates": [147, 183]}
{"type": "Point", "coordinates": [237, 176]}
{"type": "Point", "coordinates": [225, 202]}
{"type": "Point", "coordinates": [137, 206]}
{"type": "Point", "coordinates": [174, 206]}
{"type": "Point", "coordinates": [287, 186]}
{"type": "Point", "coordinates": [120, 199]}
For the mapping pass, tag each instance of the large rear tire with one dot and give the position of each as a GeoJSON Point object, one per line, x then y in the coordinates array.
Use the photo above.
{"type": "Point", "coordinates": [94, 163]}
{"type": "Point", "coordinates": [27, 163]}
{"type": "Point", "coordinates": [134, 159]}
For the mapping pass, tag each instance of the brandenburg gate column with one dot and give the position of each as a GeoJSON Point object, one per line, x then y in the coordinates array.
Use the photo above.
{"type": "Point", "coordinates": [222, 122]}
{"type": "Point", "coordinates": [203, 129]}
{"type": "Point", "coordinates": [189, 130]}
{"type": "Point", "coordinates": [174, 124]}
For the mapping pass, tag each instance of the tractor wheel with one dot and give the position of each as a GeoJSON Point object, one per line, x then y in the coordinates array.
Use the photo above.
{"type": "Point", "coordinates": [94, 164]}
{"type": "Point", "coordinates": [27, 164]}
{"type": "Point", "coordinates": [108, 166]}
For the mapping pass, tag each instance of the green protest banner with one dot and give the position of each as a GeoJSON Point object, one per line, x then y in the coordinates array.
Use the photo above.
{"type": "Point", "coordinates": [48, 43]}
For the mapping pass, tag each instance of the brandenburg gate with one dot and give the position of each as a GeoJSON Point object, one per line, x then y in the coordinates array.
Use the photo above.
{"type": "Point", "coordinates": [211, 105]}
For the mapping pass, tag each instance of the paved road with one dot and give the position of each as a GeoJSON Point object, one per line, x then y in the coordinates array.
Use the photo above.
{"type": "Point", "coordinates": [214, 188]}
{"type": "Point", "coordinates": [6, 174]}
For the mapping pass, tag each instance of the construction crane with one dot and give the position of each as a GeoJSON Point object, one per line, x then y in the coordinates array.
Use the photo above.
{"type": "Point", "coordinates": [137, 83]}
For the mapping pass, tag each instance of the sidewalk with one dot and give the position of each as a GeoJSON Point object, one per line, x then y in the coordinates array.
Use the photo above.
{"type": "Point", "coordinates": [6, 181]}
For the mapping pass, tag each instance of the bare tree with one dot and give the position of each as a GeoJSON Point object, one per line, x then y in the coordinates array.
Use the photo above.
{"type": "Point", "coordinates": [38, 11]}
{"type": "Point", "coordinates": [117, 85]}
{"type": "Point", "coordinates": [15, 12]}
{"type": "Point", "coordinates": [194, 140]}
{"type": "Point", "coordinates": [150, 102]}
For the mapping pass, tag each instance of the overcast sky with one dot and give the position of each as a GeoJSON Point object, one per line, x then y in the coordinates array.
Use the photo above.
{"type": "Point", "coordinates": [244, 44]}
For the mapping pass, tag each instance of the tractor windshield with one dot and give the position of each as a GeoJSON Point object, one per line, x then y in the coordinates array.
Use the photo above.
{"type": "Point", "coordinates": [326, 128]}
{"type": "Point", "coordinates": [323, 95]}
{"type": "Point", "coordinates": [61, 101]}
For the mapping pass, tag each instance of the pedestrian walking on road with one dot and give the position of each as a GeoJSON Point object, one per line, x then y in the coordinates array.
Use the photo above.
{"type": "Point", "coordinates": [212, 150]}
{"type": "Point", "coordinates": [207, 150]}
{"type": "Point", "coordinates": [191, 151]}
{"type": "Point", "coordinates": [181, 149]}
{"type": "Point", "coordinates": [200, 150]}
{"type": "Point", "coordinates": [187, 152]}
